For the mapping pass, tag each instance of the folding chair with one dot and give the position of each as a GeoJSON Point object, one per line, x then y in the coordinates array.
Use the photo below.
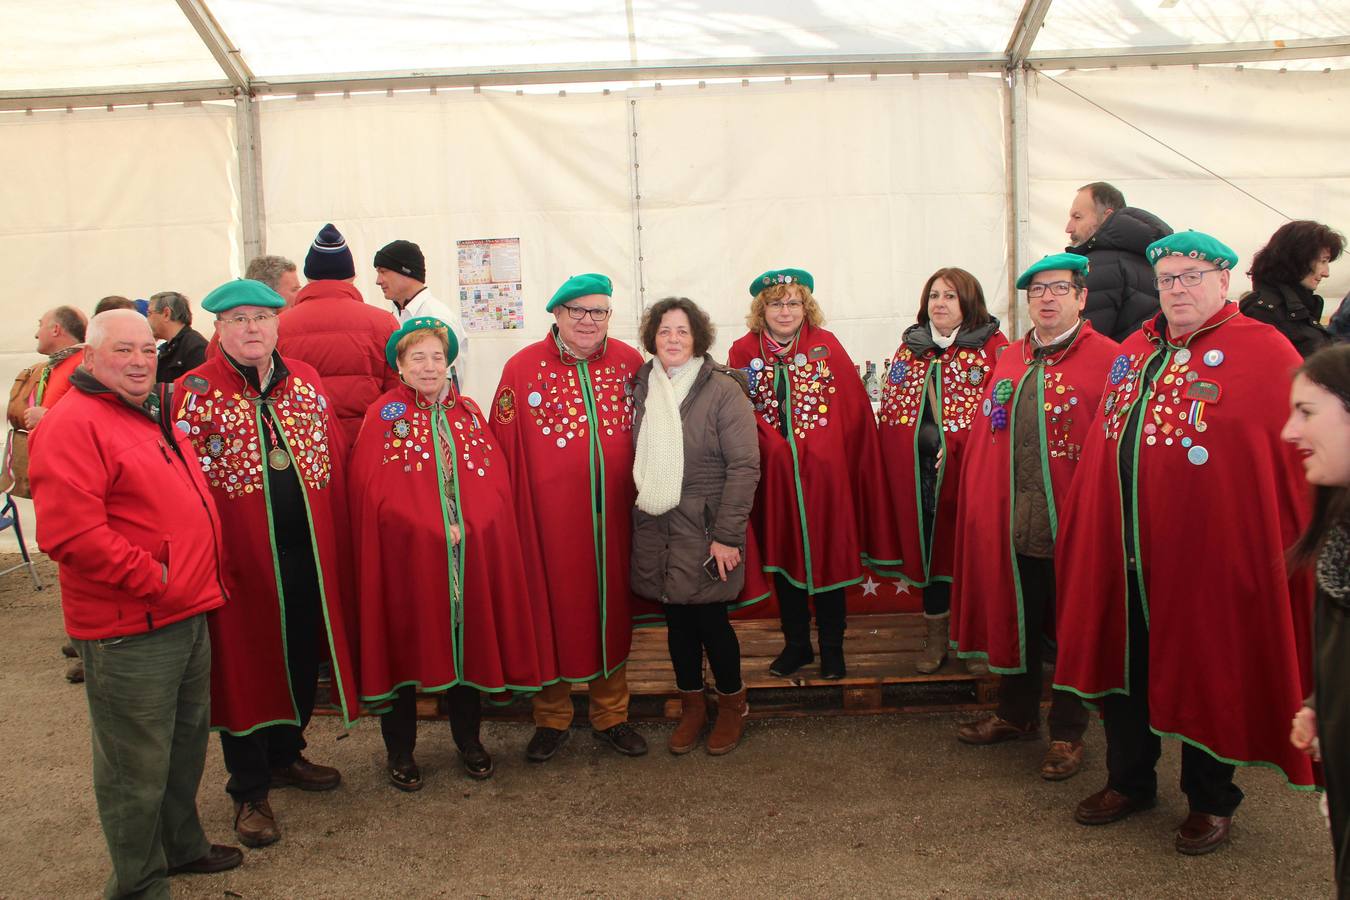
{"type": "Point", "coordinates": [9, 518]}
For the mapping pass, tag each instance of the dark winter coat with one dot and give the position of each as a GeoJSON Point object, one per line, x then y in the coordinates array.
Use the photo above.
{"type": "Point", "coordinates": [180, 354]}
{"type": "Point", "coordinates": [1295, 311]}
{"type": "Point", "coordinates": [721, 471]}
{"type": "Point", "coordinates": [1121, 292]}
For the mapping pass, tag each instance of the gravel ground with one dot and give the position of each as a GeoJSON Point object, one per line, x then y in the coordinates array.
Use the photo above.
{"type": "Point", "coordinates": [819, 807]}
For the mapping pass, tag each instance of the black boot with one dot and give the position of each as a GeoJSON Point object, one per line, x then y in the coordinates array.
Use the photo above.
{"type": "Point", "coordinates": [830, 623]}
{"type": "Point", "coordinates": [795, 615]}
{"type": "Point", "coordinates": [466, 719]}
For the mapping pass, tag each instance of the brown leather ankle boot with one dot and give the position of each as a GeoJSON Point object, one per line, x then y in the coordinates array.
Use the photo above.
{"type": "Point", "coordinates": [693, 719]}
{"type": "Point", "coordinates": [730, 724]}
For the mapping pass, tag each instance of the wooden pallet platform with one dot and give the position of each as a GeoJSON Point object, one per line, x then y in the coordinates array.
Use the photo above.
{"type": "Point", "coordinates": [880, 651]}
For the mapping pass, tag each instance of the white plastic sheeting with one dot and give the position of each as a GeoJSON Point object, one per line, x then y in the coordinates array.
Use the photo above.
{"type": "Point", "coordinates": [1277, 136]}
{"type": "Point", "coordinates": [838, 178]}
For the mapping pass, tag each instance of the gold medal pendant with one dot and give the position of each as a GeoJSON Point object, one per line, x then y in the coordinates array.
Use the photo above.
{"type": "Point", "coordinates": [278, 459]}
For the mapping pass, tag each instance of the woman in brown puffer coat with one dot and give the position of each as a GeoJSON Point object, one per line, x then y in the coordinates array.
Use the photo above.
{"type": "Point", "coordinates": [696, 468]}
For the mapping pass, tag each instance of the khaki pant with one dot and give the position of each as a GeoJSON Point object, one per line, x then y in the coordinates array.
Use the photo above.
{"type": "Point", "coordinates": [608, 696]}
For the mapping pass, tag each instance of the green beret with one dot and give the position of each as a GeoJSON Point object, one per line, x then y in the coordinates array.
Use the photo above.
{"type": "Point", "coordinates": [580, 286]}
{"type": "Point", "coordinates": [782, 276]}
{"type": "Point", "coordinates": [242, 292]}
{"type": "Point", "coordinates": [418, 324]}
{"type": "Point", "coordinates": [1196, 245]}
{"type": "Point", "coordinates": [1055, 262]}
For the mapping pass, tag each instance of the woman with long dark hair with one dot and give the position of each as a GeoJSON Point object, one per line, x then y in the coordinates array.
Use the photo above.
{"type": "Point", "coordinates": [1285, 274]}
{"type": "Point", "coordinates": [1319, 425]}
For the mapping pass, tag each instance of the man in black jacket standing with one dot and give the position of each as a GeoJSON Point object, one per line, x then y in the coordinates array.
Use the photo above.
{"type": "Point", "coordinates": [183, 349]}
{"type": "Point", "coordinates": [1121, 295]}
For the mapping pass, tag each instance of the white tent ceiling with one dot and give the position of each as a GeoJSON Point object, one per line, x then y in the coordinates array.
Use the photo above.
{"type": "Point", "coordinates": [88, 52]}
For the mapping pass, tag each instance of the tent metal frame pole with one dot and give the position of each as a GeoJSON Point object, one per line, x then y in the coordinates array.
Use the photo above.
{"type": "Point", "coordinates": [1018, 194]}
{"type": "Point", "coordinates": [226, 54]}
{"type": "Point", "coordinates": [1194, 54]}
{"type": "Point", "coordinates": [252, 211]}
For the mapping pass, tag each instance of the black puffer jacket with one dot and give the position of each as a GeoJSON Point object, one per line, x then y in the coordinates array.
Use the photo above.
{"type": "Point", "coordinates": [1295, 311]}
{"type": "Point", "coordinates": [1121, 294]}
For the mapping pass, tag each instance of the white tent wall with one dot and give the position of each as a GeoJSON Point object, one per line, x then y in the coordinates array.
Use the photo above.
{"type": "Point", "coordinates": [869, 185]}
{"type": "Point", "coordinates": [1278, 136]}
{"type": "Point", "coordinates": [552, 171]}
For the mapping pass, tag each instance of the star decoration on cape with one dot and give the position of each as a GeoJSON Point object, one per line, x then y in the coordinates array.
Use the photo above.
{"type": "Point", "coordinates": [870, 587]}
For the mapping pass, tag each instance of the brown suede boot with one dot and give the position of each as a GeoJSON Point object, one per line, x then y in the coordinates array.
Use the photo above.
{"type": "Point", "coordinates": [730, 724]}
{"type": "Point", "coordinates": [693, 719]}
{"type": "Point", "coordinates": [934, 652]}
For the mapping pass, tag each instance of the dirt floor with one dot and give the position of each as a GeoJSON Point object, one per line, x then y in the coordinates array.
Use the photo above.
{"type": "Point", "coordinates": [885, 806]}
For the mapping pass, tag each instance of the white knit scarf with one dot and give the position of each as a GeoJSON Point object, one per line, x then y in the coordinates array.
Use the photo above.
{"type": "Point", "coordinates": [943, 342]}
{"type": "Point", "coordinates": [658, 464]}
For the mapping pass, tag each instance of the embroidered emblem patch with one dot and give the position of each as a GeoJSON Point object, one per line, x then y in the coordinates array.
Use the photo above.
{"type": "Point", "coordinates": [505, 406]}
{"type": "Point", "coordinates": [215, 446]}
{"type": "Point", "coordinates": [391, 411]}
{"type": "Point", "coordinates": [402, 429]}
{"type": "Point", "coordinates": [196, 384]}
{"type": "Point", "coordinates": [1204, 391]}
{"type": "Point", "coordinates": [820, 351]}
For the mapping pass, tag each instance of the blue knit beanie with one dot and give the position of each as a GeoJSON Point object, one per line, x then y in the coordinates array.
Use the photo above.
{"type": "Point", "coordinates": [328, 258]}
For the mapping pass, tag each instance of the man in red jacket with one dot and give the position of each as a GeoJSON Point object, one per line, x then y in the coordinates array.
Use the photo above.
{"type": "Point", "coordinates": [330, 327]}
{"type": "Point", "coordinates": [124, 511]}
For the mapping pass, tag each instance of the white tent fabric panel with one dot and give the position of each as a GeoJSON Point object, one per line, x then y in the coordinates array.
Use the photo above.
{"type": "Point", "coordinates": [870, 186]}
{"type": "Point", "coordinates": [91, 43]}
{"type": "Point", "coordinates": [129, 202]}
{"type": "Point", "coordinates": [1273, 135]}
{"type": "Point", "coordinates": [279, 38]}
{"type": "Point", "coordinates": [1109, 24]}
{"type": "Point", "coordinates": [551, 171]}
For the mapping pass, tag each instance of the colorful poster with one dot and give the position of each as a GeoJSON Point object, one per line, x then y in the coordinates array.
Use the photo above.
{"type": "Point", "coordinates": [489, 284]}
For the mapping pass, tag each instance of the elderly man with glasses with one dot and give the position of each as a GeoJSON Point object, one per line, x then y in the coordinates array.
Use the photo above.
{"type": "Point", "coordinates": [265, 436]}
{"type": "Point", "coordinates": [1177, 614]}
{"type": "Point", "coordinates": [1038, 411]}
{"type": "Point", "coordinates": [563, 415]}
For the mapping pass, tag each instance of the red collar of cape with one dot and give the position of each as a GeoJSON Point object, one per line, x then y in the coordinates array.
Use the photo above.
{"type": "Point", "coordinates": [1159, 332]}
{"type": "Point", "coordinates": [771, 349]}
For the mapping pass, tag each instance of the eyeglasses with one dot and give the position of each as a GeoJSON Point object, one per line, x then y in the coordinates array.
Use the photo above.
{"type": "Point", "coordinates": [785, 304]}
{"type": "Point", "coordinates": [243, 321]}
{"type": "Point", "coordinates": [1058, 288]}
{"type": "Point", "coordinates": [580, 312]}
{"type": "Point", "coordinates": [1187, 279]}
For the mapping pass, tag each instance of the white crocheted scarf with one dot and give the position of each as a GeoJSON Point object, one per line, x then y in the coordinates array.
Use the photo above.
{"type": "Point", "coordinates": [658, 465]}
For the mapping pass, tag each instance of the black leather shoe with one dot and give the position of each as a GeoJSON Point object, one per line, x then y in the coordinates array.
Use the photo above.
{"type": "Point", "coordinates": [545, 743]}
{"type": "Point", "coordinates": [624, 738]}
{"type": "Point", "coordinates": [217, 859]}
{"type": "Point", "coordinates": [832, 663]}
{"type": "Point", "coordinates": [793, 657]}
{"type": "Point", "coordinates": [476, 761]}
{"type": "Point", "coordinates": [404, 774]}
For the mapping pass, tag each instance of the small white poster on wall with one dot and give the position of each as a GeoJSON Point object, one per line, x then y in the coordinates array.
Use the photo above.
{"type": "Point", "coordinates": [489, 284]}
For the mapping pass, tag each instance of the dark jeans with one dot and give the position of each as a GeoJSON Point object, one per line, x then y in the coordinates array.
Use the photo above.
{"type": "Point", "coordinates": [1019, 696]}
{"type": "Point", "coordinates": [692, 629]}
{"type": "Point", "coordinates": [794, 610]}
{"type": "Point", "coordinates": [149, 715]}
{"type": "Point", "coordinates": [1132, 750]}
{"type": "Point", "coordinates": [250, 758]}
{"type": "Point", "coordinates": [399, 725]}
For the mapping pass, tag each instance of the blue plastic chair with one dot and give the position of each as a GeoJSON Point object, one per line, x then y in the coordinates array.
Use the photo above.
{"type": "Point", "coordinates": [9, 518]}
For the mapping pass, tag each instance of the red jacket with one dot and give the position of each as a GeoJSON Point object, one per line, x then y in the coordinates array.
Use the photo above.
{"type": "Point", "coordinates": [117, 501]}
{"type": "Point", "coordinates": [342, 337]}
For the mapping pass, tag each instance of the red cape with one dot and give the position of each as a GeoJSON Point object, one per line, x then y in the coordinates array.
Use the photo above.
{"type": "Point", "coordinates": [987, 618]}
{"type": "Point", "coordinates": [962, 376]}
{"type": "Point", "coordinates": [492, 632]}
{"type": "Point", "coordinates": [1219, 497]}
{"type": "Point", "coordinates": [250, 683]}
{"type": "Point", "coordinates": [565, 429]}
{"type": "Point", "coordinates": [816, 515]}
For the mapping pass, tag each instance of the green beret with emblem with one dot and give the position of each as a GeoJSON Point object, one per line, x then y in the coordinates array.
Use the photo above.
{"type": "Point", "coordinates": [782, 276]}
{"type": "Point", "coordinates": [242, 292]}
{"type": "Point", "coordinates": [1194, 245]}
{"type": "Point", "coordinates": [580, 286]}
{"type": "Point", "coordinates": [1055, 262]}
{"type": "Point", "coordinates": [418, 324]}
